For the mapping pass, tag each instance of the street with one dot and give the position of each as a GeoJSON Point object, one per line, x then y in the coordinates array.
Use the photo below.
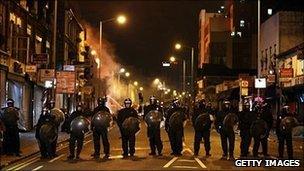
{"type": "Point", "coordinates": [142, 161]}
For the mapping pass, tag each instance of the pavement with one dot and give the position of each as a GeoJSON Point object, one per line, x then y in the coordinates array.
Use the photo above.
{"type": "Point", "coordinates": [28, 146]}
{"type": "Point", "coordinates": [142, 161]}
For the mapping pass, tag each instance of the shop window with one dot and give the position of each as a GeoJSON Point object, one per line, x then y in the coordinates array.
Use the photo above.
{"type": "Point", "coordinates": [38, 44]}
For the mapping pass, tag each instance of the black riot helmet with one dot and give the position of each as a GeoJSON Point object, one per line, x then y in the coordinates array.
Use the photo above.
{"type": "Point", "coordinates": [79, 107]}
{"type": "Point", "coordinates": [285, 110]}
{"type": "Point", "coordinates": [246, 105]}
{"type": "Point", "coordinates": [226, 104]}
{"type": "Point", "coordinates": [175, 103]}
{"type": "Point", "coordinates": [153, 100]}
{"type": "Point", "coordinates": [51, 104]}
{"type": "Point", "coordinates": [10, 102]}
{"type": "Point", "coordinates": [202, 104]}
{"type": "Point", "coordinates": [102, 101]}
{"type": "Point", "coordinates": [128, 103]}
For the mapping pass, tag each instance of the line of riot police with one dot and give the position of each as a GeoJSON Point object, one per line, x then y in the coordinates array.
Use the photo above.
{"type": "Point", "coordinates": [253, 124]}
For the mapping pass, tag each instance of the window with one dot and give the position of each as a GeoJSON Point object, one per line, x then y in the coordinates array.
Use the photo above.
{"type": "Point", "coordinates": [242, 23]}
{"type": "Point", "coordinates": [29, 29]}
{"type": "Point", "coordinates": [2, 24]}
{"type": "Point", "coordinates": [38, 44]}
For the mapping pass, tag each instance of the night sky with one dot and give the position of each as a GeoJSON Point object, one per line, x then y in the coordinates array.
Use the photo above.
{"type": "Point", "coordinates": [151, 30]}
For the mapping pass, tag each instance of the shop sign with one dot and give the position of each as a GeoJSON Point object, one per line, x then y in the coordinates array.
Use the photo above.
{"type": "Point", "coordinates": [69, 67]}
{"type": "Point", "coordinates": [41, 58]}
{"type": "Point", "coordinates": [271, 78]}
{"type": "Point", "coordinates": [30, 68]}
{"type": "Point", "coordinates": [47, 74]}
{"type": "Point", "coordinates": [66, 81]}
{"type": "Point", "coordinates": [244, 91]}
{"type": "Point", "coordinates": [286, 72]}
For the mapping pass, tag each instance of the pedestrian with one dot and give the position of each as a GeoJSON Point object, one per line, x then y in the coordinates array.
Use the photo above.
{"type": "Point", "coordinates": [153, 130]}
{"type": "Point", "coordinates": [246, 118]}
{"type": "Point", "coordinates": [101, 133]}
{"type": "Point", "coordinates": [202, 124]}
{"type": "Point", "coordinates": [11, 139]}
{"type": "Point", "coordinates": [285, 122]}
{"type": "Point", "coordinates": [174, 125]}
{"type": "Point", "coordinates": [128, 140]}
{"type": "Point", "coordinates": [78, 126]}
{"type": "Point", "coordinates": [226, 129]}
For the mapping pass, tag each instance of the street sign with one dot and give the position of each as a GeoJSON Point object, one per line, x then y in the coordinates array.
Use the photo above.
{"type": "Point", "coordinates": [286, 72]}
{"type": "Point", "coordinates": [69, 67]}
{"type": "Point", "coordinates": [30, 68]}
{"type": "Point", "coordinates": [66, 81]}
{"type": "Point", "coordinates": [46, 74]}
{"type": "Point", "coordinates": [166, 64]}
{"type": "Point", "coordinates": [40, 58]}
{"type": "Point", "coordinates": [260, 83]}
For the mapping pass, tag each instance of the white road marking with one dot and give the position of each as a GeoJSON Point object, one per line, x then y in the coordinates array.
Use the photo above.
{"type": "Point", "coordinates": [116, 157]}
{"type": "Point", "coordinates": [170, 162]}
{"type": "Point", "coordinates": [37, 168]}
{"type": "Point", "coordinates": [56, 158]}
{"type": "Point", "coordinates": [20, 164]}
{"type": "Point", "coordinates": [185, 167]}
{"type": "Point", "coordinates": [136, 148]}
{"type": "Point", "coordinates": [29, 163]}
{"type": "Point", "coordinates": [185, 160]}
{"type": "Point", "coordinates": [200, 163]}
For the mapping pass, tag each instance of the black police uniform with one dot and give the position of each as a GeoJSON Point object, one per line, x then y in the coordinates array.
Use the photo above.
{"type": "Point", "coordinates": [128, 141]}
{"type": "Point", "coordinates": [79, 138]}
{"type": "Point", "coordinates": [265, 114]}
{"type": "Point", "coordinates": [154, 132]}
{"type": "Point", "coordinates": [225, 135]}
{"type": "Point", "coordinates": [246, 118]}
{"type": "Point", "coordinates": [103, 135]}
{"type": "Point", "coordinates": [175, 135]}
{"type": "Point", "coordinates": [284, 136]}
{"type": "Point", "coordinates": [46, 150]}
{"type": "Point", "coordinates": [11, 139]}
{"type": "Point", "coordinates": [201, 133]}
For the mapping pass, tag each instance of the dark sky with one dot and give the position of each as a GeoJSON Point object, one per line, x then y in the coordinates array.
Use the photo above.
{"type": "Point", "coordinates": [152, 28]}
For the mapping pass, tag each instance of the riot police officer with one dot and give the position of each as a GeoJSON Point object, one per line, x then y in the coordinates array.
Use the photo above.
{"type": "Point", "coordinates": [202, 124]}
{"type": "Point", "coordinates": [285, 122]}
{"type": "Point", "coordinates": [11, 139]}
{"type": "Point", "coordinates": [128, 140]}
{"type": "Point", "coordinates": [225, 133]}
{"type": "Point", "coordinates": [263, 124]}
{"type": "Point", "coordinates": [77, 128]}
{"type": "Point", "coordinates": [175, 118]}
{"type": "Point", "coordinates": [153, 132]}
{"type": "Point", "coordinates": [102, 133]}
{"type": "Point", "coordinates": [51, 105]}
{"type": "Point", "coordinates": [45, 144]}
{"type": "Point", "coordinates": [246, 118]}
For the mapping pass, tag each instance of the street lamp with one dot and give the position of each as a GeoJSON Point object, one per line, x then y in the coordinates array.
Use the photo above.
{"type": "Point", "coordinates": [156, 81]}
{"type": "Point", "coordinates": [172, 59]}
{"type": "Point", "coordinates": [141, 88]}
{"type": "Point", "coordinates": [121, 20]}
{"type": "Point", "coordinates": [122, 70]}
{"type": "Point", "coordinates": [127, 74]}
{"type": "Point", "coordinates": [135, 83]}
{"type": "Point", "coordinates": [93, 52]}
{"type": "Point", "coordinates": [178, 46]}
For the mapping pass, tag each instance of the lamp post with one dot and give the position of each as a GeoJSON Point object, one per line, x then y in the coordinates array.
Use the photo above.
{"type": "Point", "coordinates": [178, 46]}
{"type": "Point", "coordinates": [120, 20]}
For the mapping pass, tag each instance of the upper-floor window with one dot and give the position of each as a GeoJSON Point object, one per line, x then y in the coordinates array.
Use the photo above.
{"type": "Point", "coordinates": [242, 23]}
{"type": "Point", "coordinates": [2, 26]}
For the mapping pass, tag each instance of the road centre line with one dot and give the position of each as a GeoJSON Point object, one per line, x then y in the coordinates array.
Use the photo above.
{"type": "Point", "coordinates": [37, 168]}
{"type": "Point", "coordinates": [26, 164]}
{"type": "Point", "coordinates": [56, 158]}
{"type": "Point", "coordinates": [185, 167]}
{"type": "Point", "coordinates": [20, 164]}
{"type": "Point", "coordinates": [186, 160]}
{"type": "Point", "coordinates": [170, 162]}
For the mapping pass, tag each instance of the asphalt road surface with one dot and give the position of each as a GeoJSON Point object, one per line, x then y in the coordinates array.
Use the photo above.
{"type": "Point", "coordinates": [141, 160]}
